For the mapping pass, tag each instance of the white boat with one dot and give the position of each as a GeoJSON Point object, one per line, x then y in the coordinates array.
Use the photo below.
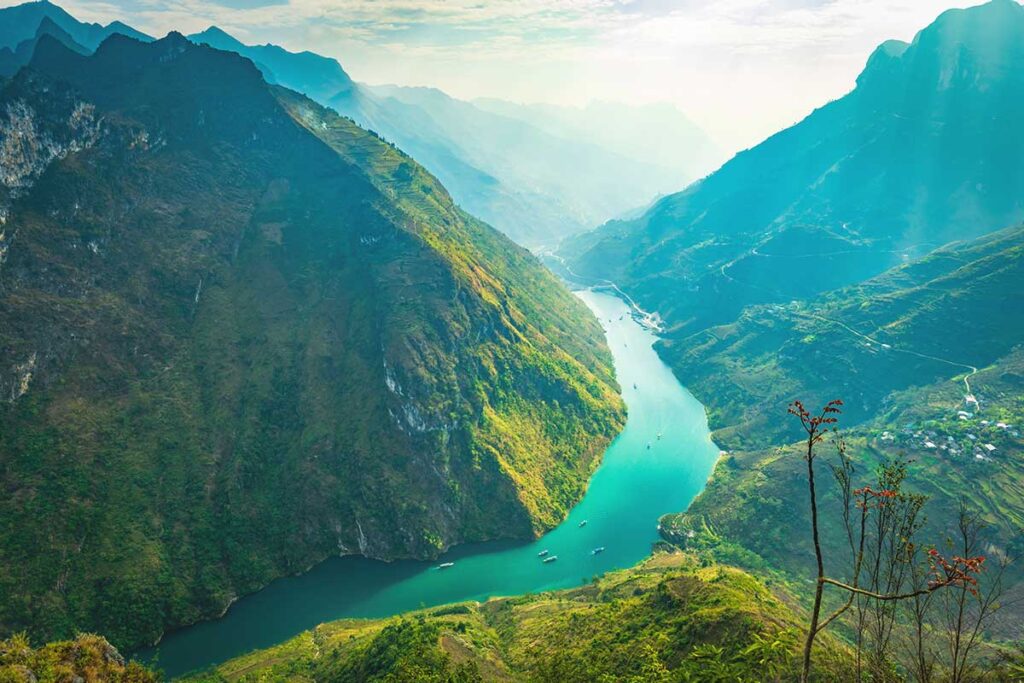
{"type": "Point", "coordinates": [542, 553]}
{"type": "Point", "coordinates": [595, 551]}
{"type": "Point", "coordinates": [659, 436]}
{"type": "Point", "coordinates": [445, 565]}
{"type": "Point", "coordinates": [550, 559]}
{"type": "Point", "coordinates": [583, 523]}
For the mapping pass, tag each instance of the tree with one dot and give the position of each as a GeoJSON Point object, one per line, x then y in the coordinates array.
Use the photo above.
{"type": "Point", "coordinates": [966, 609]}
{"type": "Point", "coordinates": [879, 553]}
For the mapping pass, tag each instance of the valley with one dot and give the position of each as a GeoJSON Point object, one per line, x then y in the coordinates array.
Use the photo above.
{"type": "Point", "coordinates": [657, 464]}
{"type": "Point", "coordinates": [306, 376]}
{"type": "Point", "coordinates": [267, 337]}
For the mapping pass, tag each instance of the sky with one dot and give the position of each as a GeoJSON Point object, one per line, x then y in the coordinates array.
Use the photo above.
{"type": "Point", "coordinates": [741, 69]}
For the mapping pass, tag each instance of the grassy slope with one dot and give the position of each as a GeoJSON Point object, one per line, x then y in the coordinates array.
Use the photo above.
{"type": "Point", "coordinates": [668, 619]}
{"type": "Point", "coordinates": [87, 659]}
{"type": "Point", "coordinates": [241, 358]}
{"type": "Point", "coordinates": [958, 304]}
{"type": "Point", "coordinates": [961, 303]}
{"type": "Point", "coordinates": [753, 512]}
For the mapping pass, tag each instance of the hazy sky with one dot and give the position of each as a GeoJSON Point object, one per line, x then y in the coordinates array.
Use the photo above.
{"type": "Point", "coordinates": [740, 68]}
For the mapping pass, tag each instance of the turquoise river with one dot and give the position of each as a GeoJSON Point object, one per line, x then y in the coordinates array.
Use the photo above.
{"type": "Point", "coordinates": [658, 464]}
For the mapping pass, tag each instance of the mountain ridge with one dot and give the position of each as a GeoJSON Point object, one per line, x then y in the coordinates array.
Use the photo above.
{"type": "Point", "coordinates": [245, 335]}
{"type": "Point", "coordinates": [497, 166]}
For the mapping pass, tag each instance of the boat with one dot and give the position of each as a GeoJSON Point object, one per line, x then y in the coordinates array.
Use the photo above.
{"type": "Point", "coordinates": [595, 551]}
{"type": "Point", "coordinates": [648, 445]}
{"type": "Point", "coordinates": [634, 385]}
{"type": "Point", "coordinates": [542, 553]}
{"type": "Point", "coordinates": [659, 436]}
{"type": "Point", "coordinates": [445, 565]}
{"type": "Point", "coordinates": [583, 523]}
{"type": "Point", "coordinates": [550, 559]}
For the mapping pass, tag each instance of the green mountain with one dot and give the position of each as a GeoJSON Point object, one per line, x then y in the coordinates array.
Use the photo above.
{"type": "Point", "coordinates": [857, 255]}
{"type": "Point", "coordinates": [937, 317]}
{"type": "Point", "coordinates": [535, 177]}
{"type": "Point", "coordinates": [241, 334]}
{"type": "Point", "coordinates": [927, 360]}
{"type": "Point", "coordinates": [925, 150]}
{"type": "Point", "coordinates": [669, 619]}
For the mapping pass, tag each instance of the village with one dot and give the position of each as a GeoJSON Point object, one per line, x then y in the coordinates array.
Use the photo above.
{"type": "Point", "coordinates": [972, 432]}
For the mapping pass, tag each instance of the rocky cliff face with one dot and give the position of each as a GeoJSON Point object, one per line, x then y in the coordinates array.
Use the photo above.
{"type": "Point", "coordinates": [239, 334]}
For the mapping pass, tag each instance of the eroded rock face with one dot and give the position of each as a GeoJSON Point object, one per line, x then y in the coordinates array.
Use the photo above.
{"type": "Point", "coordinates": [28, 145]}
{"type": "Point", "coordinates": [32, 139]}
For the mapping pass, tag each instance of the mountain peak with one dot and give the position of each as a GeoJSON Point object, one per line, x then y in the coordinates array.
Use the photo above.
{"type": "Point", "coordinates": [214, 36]}
{"type": "Point", "coordinates": [973, 49]}
{"type": "Point", "coordinates": [306, 72]}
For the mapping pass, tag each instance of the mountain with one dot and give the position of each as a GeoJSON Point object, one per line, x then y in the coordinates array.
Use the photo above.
{"type": "Point", "coordinates": [927, 360]}
{"type": "Point", "coordinates": [319, 78]}
{"type": "Point", "coordinates": [925, 150]}
{"type": "Point", "coordinates": [21, 23]}
{"type": "Point", "coordinates": [658, 133]}
{"type": "Point", "coordinates": [12, 60]}
{"type": "Point", "coordinates": [937, 317]}
{"type": "Point", "coordinates": [724, 625]}
{"type": "Point", "coordinates": [535, 180]}
{"type": "Point", "coordinates": [509, 171]}
{"type": "Point", "coordinates": [241, 334]}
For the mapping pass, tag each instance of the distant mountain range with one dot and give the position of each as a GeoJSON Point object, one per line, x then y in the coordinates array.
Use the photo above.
{"type": "Point", "coordinates": [316, 77]}
{"type": "Point", "coordinates": [240, 334]}
{"type": "Point", "coordinates": [659, 134]}
{"type": "Point", "coordinates": [22, 23]}
{"type": "Point", "coordinates": [535, 173]}
{"type": "Point", "coordinates": [925, 150]}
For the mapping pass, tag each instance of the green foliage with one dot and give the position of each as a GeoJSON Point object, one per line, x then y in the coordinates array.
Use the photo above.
{"type": "Point", "coordinates": [913, 325]}
{"type": "Point", "coordinates": [405, 651]}
{"type": "Point", "coordinates": [668, 619]}
{"type": "Point", "coordinates": [251, 336]}
{"type": "Point", "coordinates": [87, 659]}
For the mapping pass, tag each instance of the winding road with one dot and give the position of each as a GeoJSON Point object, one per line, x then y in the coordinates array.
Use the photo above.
{"type": "Point", "coordinates": [973, 370]}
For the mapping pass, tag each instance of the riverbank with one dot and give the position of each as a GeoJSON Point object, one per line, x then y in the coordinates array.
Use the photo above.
{"type": "Point", "coordinates": [658, 464]}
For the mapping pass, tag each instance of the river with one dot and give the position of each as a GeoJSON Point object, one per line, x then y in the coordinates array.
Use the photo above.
{"type": "Point", "coordinates": [641, 477]}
